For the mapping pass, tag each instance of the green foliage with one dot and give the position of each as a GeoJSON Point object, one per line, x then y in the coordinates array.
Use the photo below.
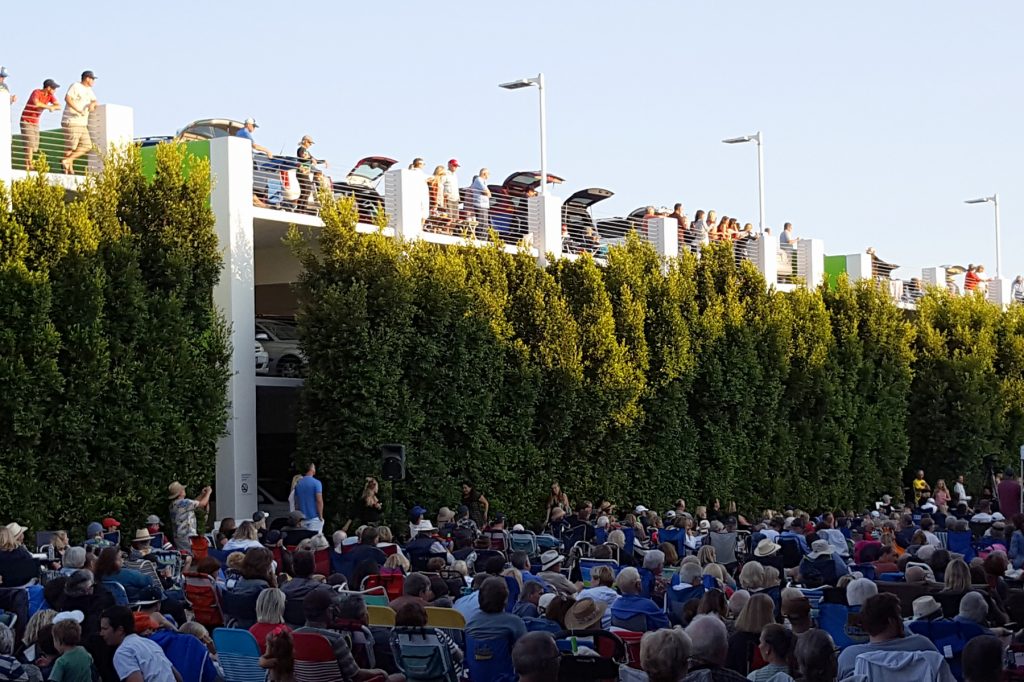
{"type": "Point", "coordinates": [642, 380]}
{"type": "Point", "coordinates": [113, 359]}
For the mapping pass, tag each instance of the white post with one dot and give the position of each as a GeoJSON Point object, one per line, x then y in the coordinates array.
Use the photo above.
{"type": "Point", "coordinates": [109, 124]}
{"type": "Point", "coordinates": [6, 139]}
{"type": "Point", "coordinates": [543, 137]}
{"type": "Point", "coordinates": [999, 292]}
{"type": "Point", "coordinates": [934, 276]}
{"type": "Point", "coordinates": [760, 180]}
{"type": "Point", "coordinates": [768, 257]}
{"type": "Point", "coordinates": [231, 201]}
{"type": "Point", "coordinates": [545, 220]}
{"type": "Point", "coordinates": [810, 261]}
{"type": "Point", "coordinates": [858, 266]}
{"type": "Point", "coordinates": [664, 234]}
{"type": "Point", "coordinates": [999, 246]}
{"type": "Point", "coordinates": [406, 201]}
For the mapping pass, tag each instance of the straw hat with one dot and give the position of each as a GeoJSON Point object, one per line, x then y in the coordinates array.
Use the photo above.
{"type": "Point", "coordinates": [585, 614]}
{"type": "Point", "coordinates": [142, 535]}
{"type": "Point", "coordinates": [766, 548]}
{"type": "Point", "coordinates": [174, 489]}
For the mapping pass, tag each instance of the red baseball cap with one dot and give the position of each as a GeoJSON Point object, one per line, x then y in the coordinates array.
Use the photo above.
{"type": "Point", "coordinates": [453, 162]}
{"type": "Point", "coordinates": [111, 522]}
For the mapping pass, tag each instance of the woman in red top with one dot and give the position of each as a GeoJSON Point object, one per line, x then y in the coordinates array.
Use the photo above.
{"type": "Point", "coordinates": [971, 279]}
{"type": "Point", "coordinates": [269, 616]}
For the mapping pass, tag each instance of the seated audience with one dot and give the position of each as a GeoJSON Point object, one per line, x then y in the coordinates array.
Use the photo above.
{"type": "Point", "coordinates": [709, 647]}
{"type": "Point", "coordinates": [631, 603]}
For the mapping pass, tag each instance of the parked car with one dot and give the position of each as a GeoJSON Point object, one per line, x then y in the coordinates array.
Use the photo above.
{"type": "Point", "coordinates": [266, 502]}
{"type": "Point", "coordinates": [262, 359]}
{"type": "Point", "coordinates": [508, 206]}
{"type": "Point", "coordinates": [361, 183]}
{"type": "Point", "coordinates": [581, 234]}
{"type": "Point", "coordinates": [281, 339]}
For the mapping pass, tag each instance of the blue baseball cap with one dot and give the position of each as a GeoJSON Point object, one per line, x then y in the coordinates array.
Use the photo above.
{"type": "Point", "coordinates": [94, 529]}
{"type": "Point", "coordinates": [417, 511]}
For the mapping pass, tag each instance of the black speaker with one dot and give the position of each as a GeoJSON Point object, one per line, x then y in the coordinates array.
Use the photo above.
{"type": "Point", "coordinates": [392, 462]}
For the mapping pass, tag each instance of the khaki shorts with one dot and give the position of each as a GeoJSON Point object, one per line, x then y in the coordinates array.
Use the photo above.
{"type": "Point", "coordinates": [31, 133]}
{"type": "Point", "coordinates": [77, 138]}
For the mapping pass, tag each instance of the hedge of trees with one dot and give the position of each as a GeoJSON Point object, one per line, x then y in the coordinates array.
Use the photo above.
{"type": "Point", "coordinates": [113, 359]}
{"type": "Point", "coordinates": [638, 381]}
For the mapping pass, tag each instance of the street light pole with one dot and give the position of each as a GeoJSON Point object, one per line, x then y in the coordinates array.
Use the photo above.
{"type": "Point", "coordinates": [538, 81]}
{"type": "Point", "coordinates": [994, 200]}
{"type": "Point", "coordinates": [757, 138]}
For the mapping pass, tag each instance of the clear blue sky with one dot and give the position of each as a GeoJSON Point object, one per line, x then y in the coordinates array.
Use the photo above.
{"type": "Point", "coordinates": [880, 118]}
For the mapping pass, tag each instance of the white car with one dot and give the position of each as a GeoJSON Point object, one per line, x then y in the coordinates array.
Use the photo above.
{"type": "Point", "coordinates": [262, 359]}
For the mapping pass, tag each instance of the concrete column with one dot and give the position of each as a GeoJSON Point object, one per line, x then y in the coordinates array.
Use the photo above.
{"type": "Point", "coordinates": [768, 257]}
{"type": "Point", "coordinates": [810, 261]}
{"type": "Point", "coordinates": [545, 220]}
{"type": "Point", "coordinates": [934, 277]}
{"type": "Point", "coordinates": [231, 200]}
{"type": "Point", "coordinates": [664, 234]}
{"type": "Point", "coordinates": [5, 141]}
{"type": "Point", "coordinates": [406, 201]}
{"type": "Point", "coordinates": [999, 292]}
{"type": "Point", "coordinates": [109, 124]}
{"type": "Point", "coordinates": [858, 266]}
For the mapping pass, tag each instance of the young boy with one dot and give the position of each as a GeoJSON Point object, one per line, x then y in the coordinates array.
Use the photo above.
{"type": "Point", "coordinates": [75, 663]}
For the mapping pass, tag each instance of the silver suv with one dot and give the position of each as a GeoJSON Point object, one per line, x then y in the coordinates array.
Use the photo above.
{"type": "Point", "coordinates": [280, 338]}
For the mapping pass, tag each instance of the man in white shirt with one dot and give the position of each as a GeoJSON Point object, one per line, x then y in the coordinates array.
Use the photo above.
{"type": "Point", "coordinates": [481, 203]}
{"type": "Point", "coordinates": [423, 190]}
{"type": "Point", "coordinates": [960, 491]}
{"type": "Point", "coordinates": [136, 659]}
{"type": "Point", "coordinates": [451, 190]}
{"type": "Point", "coordinates": [79, 102]}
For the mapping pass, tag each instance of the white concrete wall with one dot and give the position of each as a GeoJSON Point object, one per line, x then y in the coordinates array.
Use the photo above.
{"type": "Point", "coordinates": [109, 124]}
{"type": "Point", "coordinates": [545, 219]}
{"type": "Point", "coordinates": [231, 200]}
{"type": "Point", "coordinates": [406, 201]}
{"type": "Point", "coordinates": [810, 261]}
{"type": "Point", "coordinates": [664, 234]}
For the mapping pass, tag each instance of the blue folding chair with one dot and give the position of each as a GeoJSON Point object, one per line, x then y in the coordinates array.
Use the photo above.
{"type": "Point", "coordinates": [117, 590]}
{"type": "Point", "coordinates": [961, 542]}
{"type": "Point", "coordinates": [588, 565]}
{"type": "Point", "coordinates": [422, 656]}
{"type": "Point", "coordinates": [490, 659]}
{"type": "Point", "coordinates": [867, 570]}
{"type": "Point", "coordinates": [676, 598]}
{"type": "Point", "coordinates": [239, 655]}
{"type": "Point", "coordinates": [513, 592]}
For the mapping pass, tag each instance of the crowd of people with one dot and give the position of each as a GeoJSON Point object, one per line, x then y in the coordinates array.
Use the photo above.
{"type": "Point", "coordinates": [924, 590]}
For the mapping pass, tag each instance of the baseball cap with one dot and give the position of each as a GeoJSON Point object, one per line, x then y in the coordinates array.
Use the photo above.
{"type": "Point", "coordinates": [258, 516]}
{"type": "Point", "coordinates": [75, 615]}
{"type": "Point", "coordinates": [93, 529]}
{"type": "Point", "coordinates": [252, 121]}
{"type": "Point", "coordinates": [417, 511]}
{"type": "Point", "coordinates": [88, 74]}
{"type": "Point", "coordinates": [3, 72]}
{"type": "Point", "coordinates": [453, 162]}
{"type": "Point", "coordinates": [152, 520]}
{"type": "Point", "coordinates": [111, 522]}
{"type": "Point", "coordinates": [50, 83]}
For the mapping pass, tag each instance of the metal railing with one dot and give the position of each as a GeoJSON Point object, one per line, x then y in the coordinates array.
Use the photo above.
{"type": "Point", "coordinates": [32, 146]}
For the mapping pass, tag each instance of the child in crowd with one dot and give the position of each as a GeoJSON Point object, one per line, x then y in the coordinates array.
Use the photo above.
{"type": "Point", "coordinates": [75, 664]}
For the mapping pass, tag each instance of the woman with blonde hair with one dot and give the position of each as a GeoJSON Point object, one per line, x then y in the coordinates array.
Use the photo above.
{"type": "Point", "coordinates": [395, 564]}
{"type": "Point", "coordinates": [957, 577]}
{"type": "Point", "coordinates": [752, 576]}
{"type": "Point", "coordinates": [269, 616]}
{"type": "Point", "coordinates": [557, 499]}
{"type": "Point", "coordinates": [706, 555]}
{"type": "Point", "coordinates": [744, 655]}
{"type": "Point", "coordinates": [37, 622]}
{"type": "Point", "coordinates": [244, 538]}
{"type": "Point", "coordinates": [291, 493]}
{"type": "Point", "coordinates": [941, 494]}
{"type": "Point", "coordinates": [371, 506]}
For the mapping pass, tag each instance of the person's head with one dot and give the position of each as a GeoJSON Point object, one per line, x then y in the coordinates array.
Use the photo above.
{"type": "Point", "coordinates": [536, 658]}
{"type": "Point", "coordinates": [79, 583]}
{"type": "Point", "coordinates": [321, 606]}
{"type": "Point", "coordinates": [654, 561]}
{"type": "Point", "coordinates": [776, 643]}
{"type": "Point", "coordinates": [246, 531]}
{"type": "Point", "coordinates": [759, 611]}
{"type": "Point", "coordinates": [714, 601]}
{"type": "Point", "coordinates": [706, 555]}
{"type": "Point", "coordinates": [881, 617]}
{"type": "Point", "coordinates": [752, 576]}
{"type": "Point", "coordinates": [411, 614]}
{"type": "Point", "coordinates": [74, 557]}
{"type": "Point", "coordinates": [88, 78]}
{"type": "Point", "coordinates": [417, 164]}
{"type": "Point", "coordinates": [995, 564]}
{"type": "Point", "coordinates": [532, 591]}
{"type": "Point", "coordinates": [665, 655]}
{"type": "Point", "coordinates": [116, 623]}
{"type": "Point", "coordinates": [670, 553]}
{"type": "Point", "coordinates": [916, 574]}
{"type": "Point", "coordinates": [270, 606]}
{"type": "Point", "coordinates": [306, 142]}
{"type": "Point", "coordinates": [257, 564]}
{"type": "Point", "coordinates": [628, 581]}
{"type": "Point", "coordinates": [108, 563]}
{"type": "Point", "coordinates": [418, 585]}
{"type": "Point", "coordinates": [973, 607]}
{"type": "Point", "coordinates": [39, 619]}
{"type": "Point", "coordinates": [737, 601]}
{"type": "Point", "coordinates": [859, 591]}
{"type": "Point", "coordinates": [982, 659]}
{"type": "Point", "coordinates": [709, 640]}
{"type": "Point", "coordinates": [957, 577]}
{"type": "Point", "coordinates": [816, 656]}
{"type": "Point", "coordinates": [484, 174]}
{"type": "Point", "coordinates": [617, 538]}
{"type": "Point", "coordinates": [493, 595]}
{"type": "Point", "coordinates": [453, 164]}
{"type": "Point", "coordinates": [67, 634]}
